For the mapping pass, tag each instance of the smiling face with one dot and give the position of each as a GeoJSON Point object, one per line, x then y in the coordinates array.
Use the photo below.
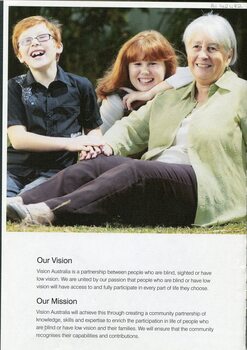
{"type": "Point", "coordinates": [206, 58]}
{"type": "Point", "coordinates": [35, 54]}
{"type": "Point", "coordinates": [144, 75]}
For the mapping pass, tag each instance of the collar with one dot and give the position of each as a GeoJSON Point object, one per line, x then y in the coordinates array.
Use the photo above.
{"type": "Point", "coordinates": [61, 77]}
{"type": "Point", "coordinates": [190, 91]}
{"type": "Point", "coordinates": [29, 78]}
{"type": "Point", "coordinates": [224, 83]}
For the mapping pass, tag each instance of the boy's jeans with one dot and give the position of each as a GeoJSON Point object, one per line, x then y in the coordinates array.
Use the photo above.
{"type": "Point", "coordinates": [18, 184]}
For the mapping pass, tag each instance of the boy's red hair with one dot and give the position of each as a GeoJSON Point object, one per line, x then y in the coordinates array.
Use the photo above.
{"type": "Point", "coordinates": [28, 22]}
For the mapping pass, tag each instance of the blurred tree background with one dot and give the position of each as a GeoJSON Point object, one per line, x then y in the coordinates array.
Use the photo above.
{"type": "Point", "coordinates": [92, 36]}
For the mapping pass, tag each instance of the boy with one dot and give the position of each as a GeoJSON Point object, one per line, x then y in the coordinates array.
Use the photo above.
{"type": "Point", "coordinates": [48, 109]}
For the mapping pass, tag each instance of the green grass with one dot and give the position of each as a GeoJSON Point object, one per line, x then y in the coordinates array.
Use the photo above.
{"type": "Point", "coordinates": [233, 228]}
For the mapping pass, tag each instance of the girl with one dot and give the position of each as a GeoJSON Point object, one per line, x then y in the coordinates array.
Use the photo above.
{"type": "Point", "coordinates": [145, 65]}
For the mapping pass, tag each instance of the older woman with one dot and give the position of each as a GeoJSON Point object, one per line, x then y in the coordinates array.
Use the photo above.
{"type": "Point", "coordinates": [194, 169]}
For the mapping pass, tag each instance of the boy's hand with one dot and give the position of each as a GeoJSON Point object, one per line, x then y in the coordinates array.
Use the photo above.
{"type": "Point", "coordinates": [77, 144]}
{"type": "Point", "coordinates": [21, 139]}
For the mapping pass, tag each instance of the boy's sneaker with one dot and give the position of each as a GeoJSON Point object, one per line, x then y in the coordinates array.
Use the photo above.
{"type": "Point", "coordinates": [31, 214]}
{"type": "Point", "coordinates": [16, 199]}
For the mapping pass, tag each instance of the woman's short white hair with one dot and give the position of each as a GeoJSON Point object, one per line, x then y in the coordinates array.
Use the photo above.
{"type": "Point", "coordinates": [216, 27]}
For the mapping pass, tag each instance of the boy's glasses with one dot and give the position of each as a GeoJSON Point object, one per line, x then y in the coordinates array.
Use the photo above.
{"type": "Point", "coordinates": [41, 38]}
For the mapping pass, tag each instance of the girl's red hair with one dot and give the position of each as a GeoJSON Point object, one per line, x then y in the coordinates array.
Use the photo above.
{"type": "Point", "coordinates": [148, 45]}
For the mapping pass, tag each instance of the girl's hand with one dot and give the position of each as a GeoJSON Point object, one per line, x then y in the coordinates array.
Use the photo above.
{"type": "Point", "coordinates": [143, 96]}
{"type": "Point", "coordinates": [133, 96]}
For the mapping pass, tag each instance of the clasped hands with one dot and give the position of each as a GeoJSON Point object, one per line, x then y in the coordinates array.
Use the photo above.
{"type": "Point", "coordinates": [89, 146]}
{"type": "Point", "coordinates": [92, 146]}
{"type": "Point", "coordinates": [89, 152]}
